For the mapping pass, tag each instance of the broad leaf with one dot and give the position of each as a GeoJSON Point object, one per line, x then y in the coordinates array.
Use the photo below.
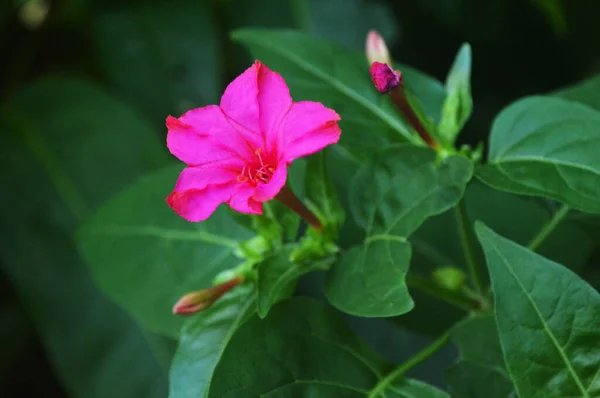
{"type": "Point", "coordinates": [146, 257]}
{"type": "Point", "coordinates": [548, 321]}
{"type": "Point", "coordinates": [480, 370]}
{"type": "Point", "coordinates": [73, 151]}
{"type": "Point", "coordinates": [320, 71]}
{"type": "Point", "coordinates": [277, 275]}
{"type": "Point", "coordinates": [320, 193]}
{"type": "Point", "coordinates": [458, 104]}
{"type": "Point", "coordinates": [437, 244]}
{"type": "Point", "coordinates": [164, 56]}
{"type": "Point", "coordinates": [585, 93]}
{"type": "Point", "coordinates": [393, 196]}
{"type": "Point", "coordinates": [368, 280]}
{"type": "Point", "coordinates": [203, 340]}
{"type": "Point", "coordinates": [302, 349]}
{"type": "Point", "coordinates": [545, 146]}
{"type": "Point", "coordinates": [348, 21]}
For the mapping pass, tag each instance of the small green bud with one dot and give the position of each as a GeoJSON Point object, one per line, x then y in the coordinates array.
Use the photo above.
{"type": "Point", "coordinates": [451, 278]}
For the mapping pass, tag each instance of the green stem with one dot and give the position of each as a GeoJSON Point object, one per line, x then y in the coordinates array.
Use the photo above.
{"type": "Point", "coordinates": [467, 237]}
{"type": "Point", "coordinates": [451, 297]}
{"type": "Point", "coordinates": [421, 356]}
{"type": "Point", "coordinates": [549, 227]}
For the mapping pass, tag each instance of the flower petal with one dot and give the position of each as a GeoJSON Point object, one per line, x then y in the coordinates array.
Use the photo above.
{"type": "Point", "coordinates": [274, 103]}
{"type": "Point", "coordinates": [198, 204]}
{"type": "Point", "coordinates": [258, 99]}
{"type": "Point", "coordinates": [205, 135]}
{"type": "Point", "coordinates": [201, 177]}
{"type": "Point", "coordinates": [242, 200]}
{"type": "Point", "coordinates": [268, 191]}
{"type": "Point", "coordinates": [308, 128]}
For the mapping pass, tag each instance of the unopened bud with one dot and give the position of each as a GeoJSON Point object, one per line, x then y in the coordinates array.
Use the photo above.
{"type": "Point", "coordinates": [376, 49]}
{"type": "Point", "coordinates": [451, 278]}
{"type": "Point", "coordinates": [384, 77]}
{"type": "Point", "coordinates": [200, 300]}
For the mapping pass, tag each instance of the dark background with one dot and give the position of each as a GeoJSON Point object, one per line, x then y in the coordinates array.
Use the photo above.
{"type": "Point", "coordinates": [519, 47]}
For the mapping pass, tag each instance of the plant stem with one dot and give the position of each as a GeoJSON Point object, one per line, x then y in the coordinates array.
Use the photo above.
{"type": "Point", "coordinates": [451, 297]}
{"type": "Point", "coordinates": [421, 356]}
{"type": "Point", "coordinates": [549, 227]}
{"type": "Point", "coordinates": [288, 198]}
{"type": "Point", "coordinates": [467, 237]}
{"type": "Point", "coordinates": [398, 97]}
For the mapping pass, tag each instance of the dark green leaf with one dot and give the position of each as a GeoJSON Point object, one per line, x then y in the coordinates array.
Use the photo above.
{"type": "Point", "coordinates": [585, 93]}
{"type": "Point", "coordinates": [458, 104]}
{"type": "Point", "coordinates": [203, 340]}
{"type": "Point", "coordinates": [301, 349]}
{"type": "Point", "coordinates": [437, 243]}
{"type": "Point", "coordinates": [164, 56]}
{"type": "Point", "coordinates": [403, 186]}
{"type": "Point", "coordinates": [343, 168]}
{"type": "Point", "coordinates": [66, 145]}
{"type": "Point", "coordinates": [320, 194]}
{"type": "Point", "coordinates": [409, 388]}
{"type": "Point", "coordinates": [480, 371]}
{"type": "Point", "coordinates": [368, 280]}
{"type": "Point", "coordinates": [548, 321]}
{"type": "Point", "coordinates": [320, 71]}
{"type": "Point", "coordinates": [277, 277]}
{"type": "Point", "coordinates": [392, 197]}
{"type": "Point", "coordinates": [348, 21]}
{"type": "Point", "coordinates": [137, 237]}
{"type": "Point", "coordinates": [545, 146]}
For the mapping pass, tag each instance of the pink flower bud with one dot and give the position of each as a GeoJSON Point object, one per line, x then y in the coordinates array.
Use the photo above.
{"type": "Point", "coordinates": [384, 77]}
{"type": "Point", "coordinates": [200, 300]}
{"type": "Point", "coordinates": [376, 49]}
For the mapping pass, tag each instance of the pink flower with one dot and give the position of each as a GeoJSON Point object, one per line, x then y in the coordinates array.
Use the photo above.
{"type": "Point", "coordinates": [238, 152]}
{"type": "Point", "coordinates": [385, 78]}
{"type": "Point", "coordinates": [376, 49]}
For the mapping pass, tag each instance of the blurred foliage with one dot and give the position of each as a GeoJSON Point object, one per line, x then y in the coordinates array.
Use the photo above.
{"type": "Point", "coordinates": [84, 91]}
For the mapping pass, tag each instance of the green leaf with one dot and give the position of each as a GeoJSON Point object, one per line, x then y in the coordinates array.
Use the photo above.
{"type": "Point", "coordinates": [164, 56]}
{"type": "Point", "coordinates": [437, 244]}
{"type": "Point", "coordinates": [368, 280]}
{"type": "Point", "coordinates": [317, 70]}
{"type": "Point", "coordinates": [320, 194]}
{"type": "Point", "coordinates": [277, 276]}
{"type": "Point", "coordinates": [458, 104]}
{"type": "Point", "coordinates": [393, 196]}
{"type": "Point", "coordinates": [302, 349]}
{"type": "Point", "coordinates": [548, 321]}
{"type": "Point", "coordinates": [545, 146]}
{"type": "Point", "coordinates": [403, 186]}
{"type": "Point", "coordinates": [342, 170]}
{"type": "Point", "coordinates": [203, 340]}
{"type": "Point", "coordinates": [480, 370]}
{"type": "Point", "coordinates": [408, 388]}
{"type": "Point", "coordinates": [65, 146]}
{"type": "Point", "coordinates": [348, 21]}
{"type": "Point", "coordinates": [585, 92]}
{"type": "Point", "coordinates": [137, 237]}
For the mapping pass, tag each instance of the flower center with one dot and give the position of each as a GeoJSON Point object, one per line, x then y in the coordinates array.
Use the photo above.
{"type": "Point", "coordinates": [257, 170]}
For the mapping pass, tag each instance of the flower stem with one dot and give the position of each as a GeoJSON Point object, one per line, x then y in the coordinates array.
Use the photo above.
{"type": "Point", "coordinates": [398, 97]}
{"type": "Point", "coordinates": [467, 237]}
{"type": "Point", "coordinates": [421, 356]}
{"type": "Point", "coordinates": [451, 297]}
{"type": "Point", "coordinates": [549, 227]}
{"type": "Point", "coordinates": [288, 198]}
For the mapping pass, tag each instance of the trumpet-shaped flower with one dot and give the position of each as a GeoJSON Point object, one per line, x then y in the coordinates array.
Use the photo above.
{"type": "Point", "coordinates": [238, 152]}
